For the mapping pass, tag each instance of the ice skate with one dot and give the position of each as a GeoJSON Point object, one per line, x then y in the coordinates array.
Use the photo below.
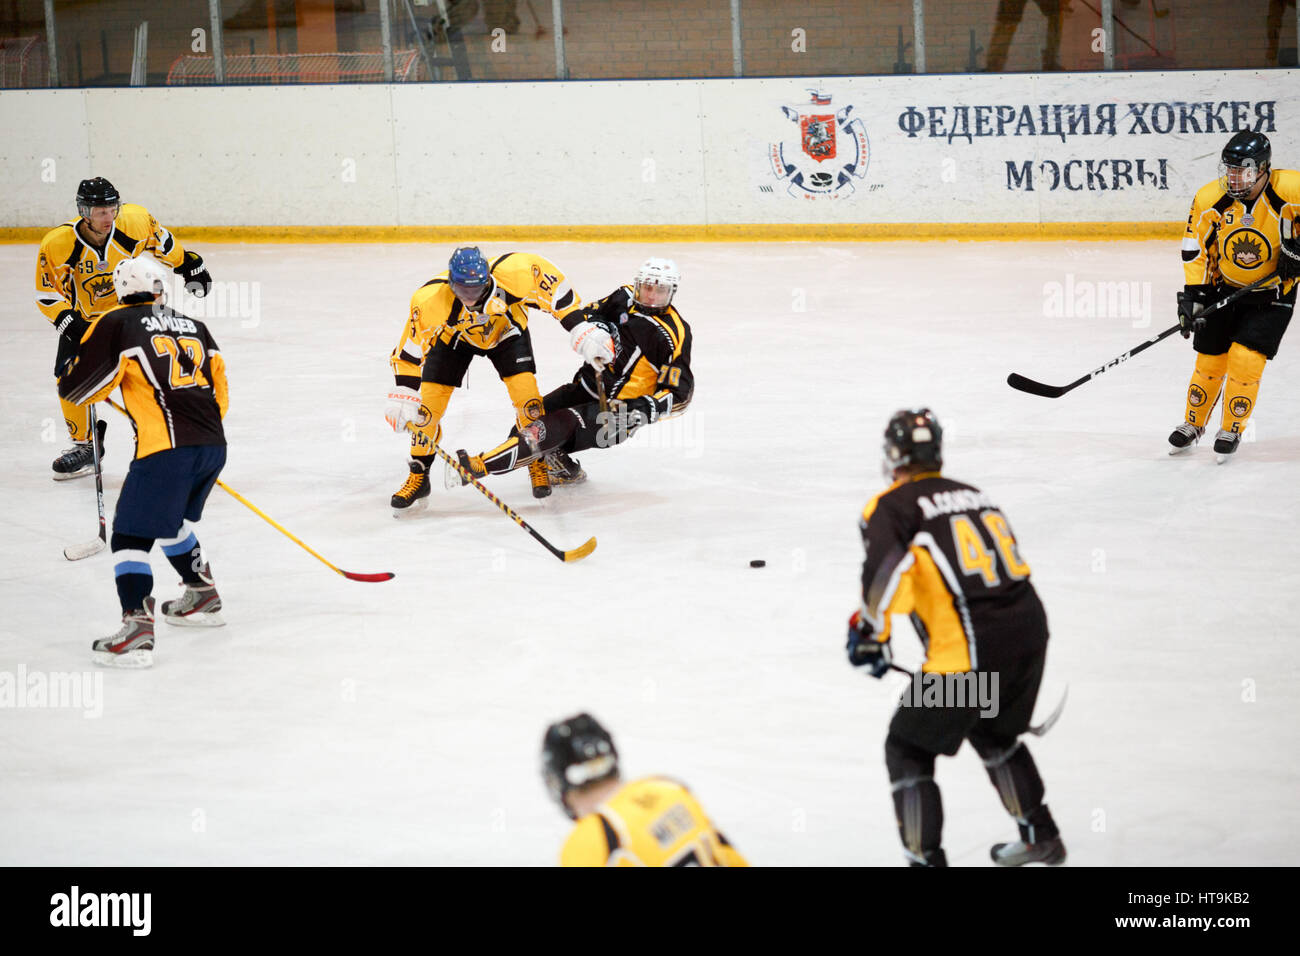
{"type": "Point", "coordinates": [470, 463]}
{"type": "Point", "coordinates": [198, 606]}
{"type": "Point", "coordinates": [934, 858]}
{"type": "Point", "coordinates": [1184, 438]}
{"type": "Point", "coordinates": [132, 646]}
{"type": "Point", "coordinates": [1225, 445]}
{"type": "Point", "coordinates": [410, 497]}
{"type": "Point", "coordinates": [541, 480]}
{"type": "Point", "coordinates": [564, 470]}
{"type": "Point", "coordinates": [1049, 851]}
{"type": "Point", "coordinates": [79, 460]}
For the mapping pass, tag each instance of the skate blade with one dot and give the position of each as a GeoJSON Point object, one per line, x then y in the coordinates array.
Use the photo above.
{"type": "Point", "coordinates": [558, 482]}
{"type": "Point", "coordinates": [1181, 451]}
{"type": "Point", "coordinates": [451, 478]}
{"type": "Point", "coordinates": [1220, 458]}
{"type": "Point", "coordinates": [207, 619]}
{"type": "Point", "coordinates": [69, 475]}
{"type": "Point", "coordinates": [419, 506]}
{"type": "Point", "coordinates": [127, 660]}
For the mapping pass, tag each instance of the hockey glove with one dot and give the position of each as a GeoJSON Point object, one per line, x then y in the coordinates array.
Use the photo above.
{"type": "Point", "coordinates": [403, 407]}
{"type": "Point", "coordinates": [635, 412]}
{"type": "Point", "coordinates": [863, 648]}
{"type": "Point", "coordinates": [195, 273]}
{"type": "Point", "coordinates": [71, 327]}
{"type": "Point", "coordinates": [1192, 303]}
{"type": "Point", "coordinates": [1288, 260]}
{"type": "Point", "coordinates": [593, 342]}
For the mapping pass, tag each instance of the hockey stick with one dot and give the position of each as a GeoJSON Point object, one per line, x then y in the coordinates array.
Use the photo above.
{"type": "Point", "coordinates": [350, 575]}
{"type": "Point", "coordinates": [575, 554]}
{"type": "Point", "coordinates": [1048, 722]}
{"type": "Point", "coordinates": [76, 552]}
{"type": "Point", "coordinates": [1018, 381]}
{"type": "Point", "coordinates": [600, 387]}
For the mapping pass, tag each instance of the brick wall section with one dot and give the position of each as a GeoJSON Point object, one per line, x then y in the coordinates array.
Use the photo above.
{"type": "Point", "coordinates": [666, 38]}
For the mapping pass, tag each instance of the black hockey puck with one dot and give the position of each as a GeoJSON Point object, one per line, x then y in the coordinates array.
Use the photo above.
{"type": "Point", "coordinates": [758, 563]}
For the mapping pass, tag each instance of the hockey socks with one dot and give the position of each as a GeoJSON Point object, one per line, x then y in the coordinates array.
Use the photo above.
{"type": "Point", "coordinates": [131, 569]}
{"type": "Point", "coordinates": [1015, 775]}
{"type": "Point", "coordinates": [918, 807]}
{"type": "Point", "coordinates": [1203, 390]}
{"type": "Point", "coordinates": [185, 555]}
{"type": "Point", "coordinates": [1245, 367]}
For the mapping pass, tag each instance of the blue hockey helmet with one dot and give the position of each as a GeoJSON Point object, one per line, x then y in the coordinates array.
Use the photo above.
{"type": "Point", "coordinates": [468, 274]}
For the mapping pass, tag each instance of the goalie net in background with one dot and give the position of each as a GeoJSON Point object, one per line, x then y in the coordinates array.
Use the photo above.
{"type": "Point", "coordinates": [272, 68]}
{"type": "Point", "coordinates": [24, 63]}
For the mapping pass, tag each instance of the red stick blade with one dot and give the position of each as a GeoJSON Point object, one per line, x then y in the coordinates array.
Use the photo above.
{"type": "Point", "coordinates": [356, 576]}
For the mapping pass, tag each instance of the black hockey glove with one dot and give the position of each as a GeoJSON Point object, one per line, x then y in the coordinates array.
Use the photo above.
{"type": "Point", "coordinates": [71, 327]}
{"type": "Point", "coordinates": [864, 650]}
{"type": "Point", "coordinates": [1288, 259]}
{"type": "Point", "coordinates": [1192, 303]}
{"type": "Point", "coordinates": [635, 412]}
{"type": "Point", "coordinates": [197, 281]}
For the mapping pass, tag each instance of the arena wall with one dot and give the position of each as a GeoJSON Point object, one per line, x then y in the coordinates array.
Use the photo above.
{"type": "Point", "coordinates": [1085, 154]}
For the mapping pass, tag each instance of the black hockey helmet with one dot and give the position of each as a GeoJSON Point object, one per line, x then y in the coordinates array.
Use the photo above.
{"type": "Point", "coordinates": [913, 437]}
{"type": "Point", "coordinates": [1247, 156]}
{"type": "Point", "coordinates": [576, 751]}
{"type": "Point", "coordinates": [96, 192]}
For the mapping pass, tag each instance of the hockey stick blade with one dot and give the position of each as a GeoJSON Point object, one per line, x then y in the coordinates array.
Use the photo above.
{"type": "Point", "coordinates": [577, 554]}
{"type": "Point", "coordinates": [1052, 718]}
{"type": "Point", "coordinates": [75, 552]}
{"type": "Point", "coordinates": [356, 576]}
{"type": "Point", "coordinates": [1018, 381]}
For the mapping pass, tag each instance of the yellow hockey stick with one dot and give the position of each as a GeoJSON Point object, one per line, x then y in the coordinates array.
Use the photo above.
{"type": "Point", "coordinates": [350, 575]}
{"type": "Point", "coordinates": [574, 554]}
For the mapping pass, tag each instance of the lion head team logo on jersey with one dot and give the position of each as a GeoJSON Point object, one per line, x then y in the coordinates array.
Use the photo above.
{"type": "Point", "coordinates": [831, 151]}
{"type": "Point", "coordinates": [99, 286]}
{"type": "Point", "coordinates": [1248, 249]}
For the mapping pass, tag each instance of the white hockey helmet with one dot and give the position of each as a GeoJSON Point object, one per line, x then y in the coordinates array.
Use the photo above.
{"type": "Point", "coordinates": [143, 273]}
{"type": "Point", "coordinates": [655, 283]}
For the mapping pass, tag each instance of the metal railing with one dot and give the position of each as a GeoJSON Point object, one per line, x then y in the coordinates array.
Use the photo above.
{"type": "Point", "coordinates": [459, 40]}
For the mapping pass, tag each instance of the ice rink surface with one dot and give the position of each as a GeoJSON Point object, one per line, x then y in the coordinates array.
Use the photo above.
{"type": "Point", "coordinates": [334, 722]}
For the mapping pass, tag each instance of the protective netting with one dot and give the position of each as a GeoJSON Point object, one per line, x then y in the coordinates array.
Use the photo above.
{"type": "Point", "coordinates": [294, 68]}
{"type": "Point", "coordinates": [24, 62]}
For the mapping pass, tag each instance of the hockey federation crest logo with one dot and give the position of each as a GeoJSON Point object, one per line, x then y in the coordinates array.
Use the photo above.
{"type": "Point", "coordinates": [831, 151]}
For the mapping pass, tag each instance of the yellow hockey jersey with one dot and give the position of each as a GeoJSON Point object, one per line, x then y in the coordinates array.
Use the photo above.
{"type": "Point", "coordinates": [73, 274]}
{"type": "Point", "coordinates": [1234, 242]}
{"type": "Point", "coordinates": [522, 282]}
{"type": "Point", "coordinates": [649, 822]}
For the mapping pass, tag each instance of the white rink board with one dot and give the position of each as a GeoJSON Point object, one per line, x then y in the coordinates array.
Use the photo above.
{"type": "Point", "coordinates": [948, 149]}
